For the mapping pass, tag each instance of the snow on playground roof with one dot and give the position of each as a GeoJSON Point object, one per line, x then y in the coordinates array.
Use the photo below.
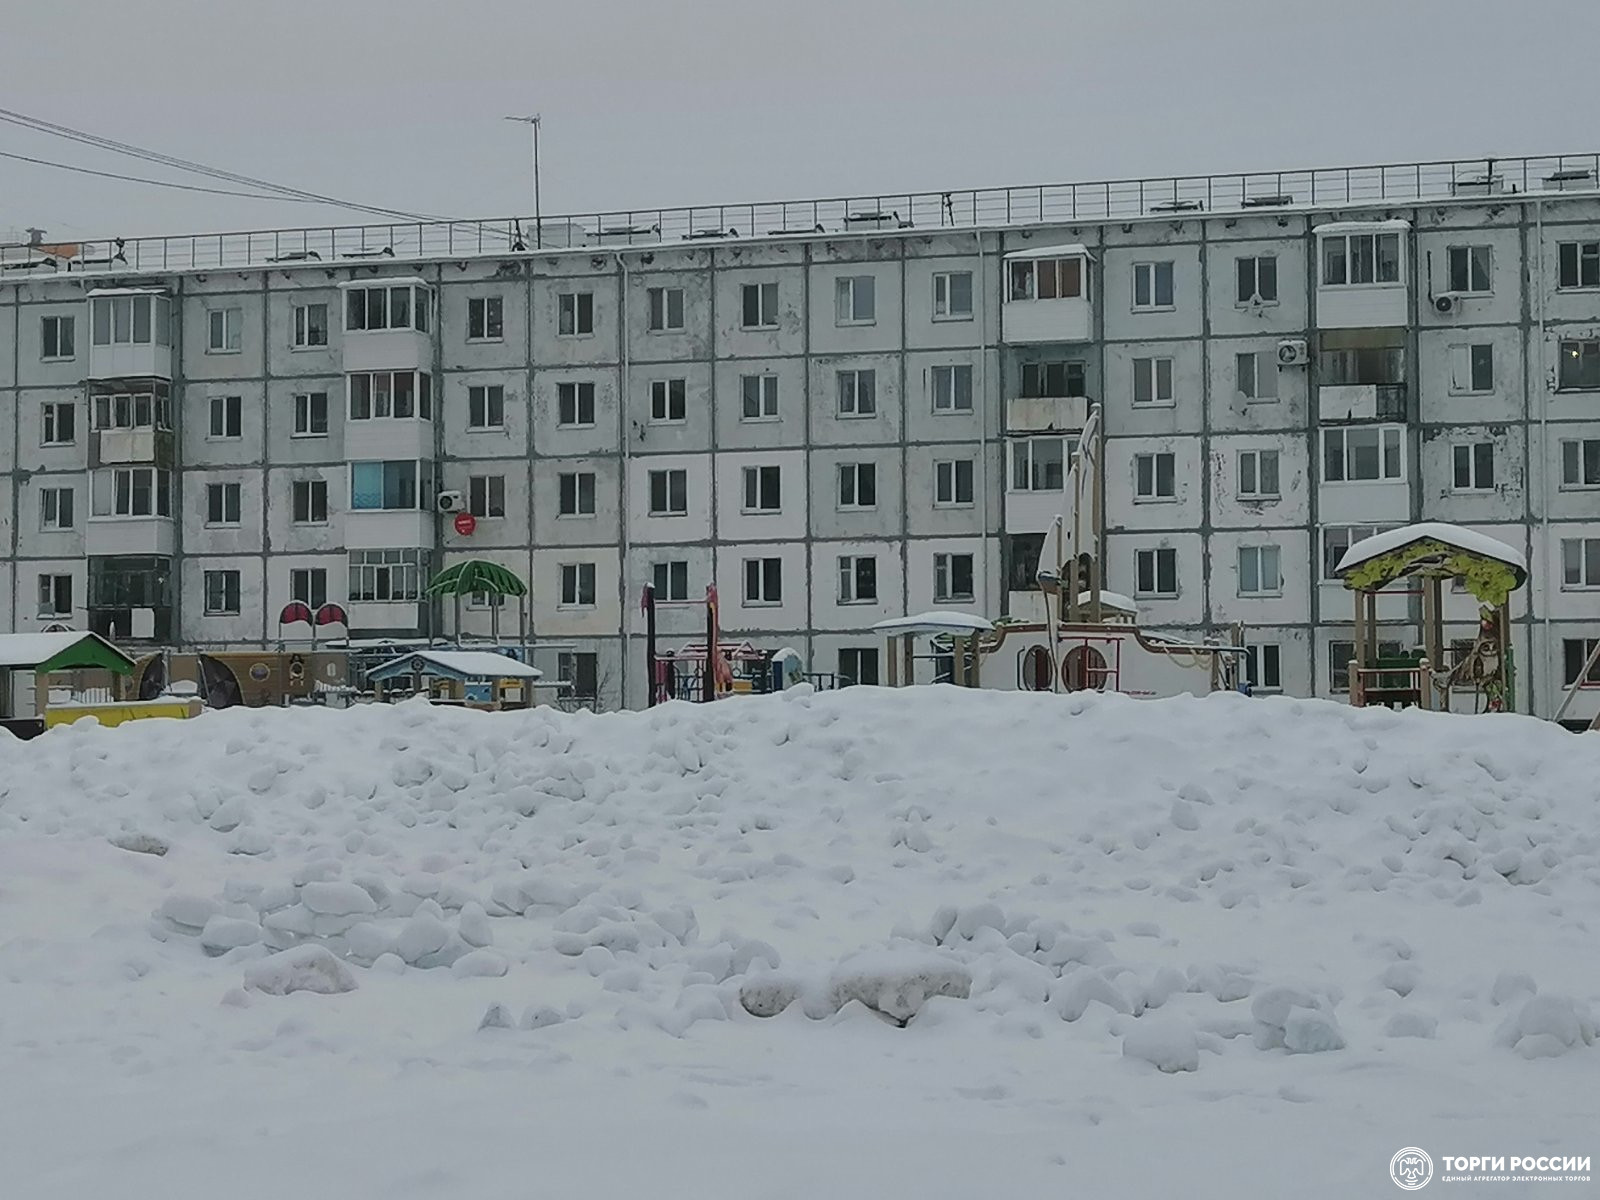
{"type": "Point", "coordinates": [1435, 531]}
{"type": "Point", "coordinates": [1114, 600]}
{"type": "Point", "coordinates": [25, 651]}
{"type": "Point", "coordinates": [1068, 250]}
{"type": "Point", "coordinates": [470, 664]}
{"type": "Point", "coordinates": [935, 622]}
{"type": "Point", "coordinates": [1361, 226]}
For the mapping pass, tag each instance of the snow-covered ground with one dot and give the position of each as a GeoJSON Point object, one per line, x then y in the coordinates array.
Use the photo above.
{"type": "Point", "coordinates": [1016, 945]}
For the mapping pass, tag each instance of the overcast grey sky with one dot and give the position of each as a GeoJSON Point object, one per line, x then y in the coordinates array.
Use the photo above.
{"type": "Point", "coordinates": [399, 102]}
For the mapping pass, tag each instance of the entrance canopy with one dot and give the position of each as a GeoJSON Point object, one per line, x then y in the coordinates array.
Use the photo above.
{"type": "Point", "coordinates": [45, 652]}
{"type": "Point", "coordinates": [957, 624]}
{"type": "Point", "coordinates": [1490, 569]}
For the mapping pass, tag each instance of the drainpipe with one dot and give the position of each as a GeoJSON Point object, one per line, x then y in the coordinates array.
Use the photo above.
{"type": "Point", "coordinates": [1549, 465]}
{"type": "Point", "coordinates": [622, 490]}
{"type": "Point", "coordinates": [983, 422]}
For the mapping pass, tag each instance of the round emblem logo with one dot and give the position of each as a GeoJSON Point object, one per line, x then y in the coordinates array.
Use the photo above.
{"type": "Point", "coordinates": [259, 672]}
{"type": "Point", "coordinates": [466, 523]}
{"type": "Point", "coordinates": [1411, 1169]}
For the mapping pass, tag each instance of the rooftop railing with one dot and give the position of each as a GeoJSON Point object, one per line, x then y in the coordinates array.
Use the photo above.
{"type": "Point", "coordinates": [1044, 204]}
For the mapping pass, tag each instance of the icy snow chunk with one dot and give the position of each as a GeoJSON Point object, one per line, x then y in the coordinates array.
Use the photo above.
{"type": "Point", "coordinates": [1509, 985]}
{"type": "Point", "coordinates": [896, 982]}
{"type": "Point", "coordinates": [1309, 1031]}
{"type": "Point", "coordinates": [540, 1016]}
{"type": "Point", "coordinates": [302, 969]}
{"type": "Point", "coordinates": [1547, 1025]}
{"type": "Point", "coordinates": [368, 942]}
{"type": "Point", "coordinates": [1401, 978]}
{"type": "Point", "coordinates": [497, 1016]}
{"type": "Point", "coordinates": [222, 934]}
{"type": "Point", "coordinates": [1184, 817]}
{"type": "Point", "coordinates": [768, 995]}
{"type": "Point", "coordinates": [188, 912]}
{"type": "Point", "coordinates": [1272, 1007]}
{"type": "Point", "coordinates": [337, 899]}
{"type": "Point", "coordinates": [423, 934]}
{"type": "Point", "coordinates": [479, 964]}
{"type": "Point", "coordinates": [1411, 1025]}
{"type": "Point", "coordinates": [389, 964]}
{"type": "Point", "coordinates": [1167, 1043]}
{"type": "Point", "coordinates": [1072, 997]}
{"type": "Point", "coordinates": [141, 843]}
{"type": "Point", "coordinates": [473, 925]}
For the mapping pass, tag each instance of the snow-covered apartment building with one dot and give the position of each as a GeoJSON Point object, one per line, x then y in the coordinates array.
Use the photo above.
{"type": "Point", "coordinates": [836, 412]}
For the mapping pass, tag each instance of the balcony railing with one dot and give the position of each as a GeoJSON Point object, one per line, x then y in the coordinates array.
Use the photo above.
{"type": "Point", "coordinates": [1362, 402]}
{"type": "Point", "coordinates": [1057, 203]}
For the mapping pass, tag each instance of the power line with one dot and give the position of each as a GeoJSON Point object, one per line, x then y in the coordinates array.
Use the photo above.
{"type": "Point", "coordinates": [185, 187]}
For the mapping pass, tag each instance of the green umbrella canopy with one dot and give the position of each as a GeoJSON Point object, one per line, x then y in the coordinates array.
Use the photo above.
{"type": "Point", "coordinates": [476, 575]}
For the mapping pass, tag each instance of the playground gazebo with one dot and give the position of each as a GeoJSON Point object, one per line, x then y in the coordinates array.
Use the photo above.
{"type": "Point", "coordinates": [1432, 553]}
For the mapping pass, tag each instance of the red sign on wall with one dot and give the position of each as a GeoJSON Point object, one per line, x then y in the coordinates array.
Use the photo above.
{"type": "Point", "coordinates": [466, 524]}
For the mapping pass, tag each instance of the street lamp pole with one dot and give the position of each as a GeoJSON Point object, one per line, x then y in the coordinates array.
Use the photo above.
{"type": "Point", "coordinates": [533, 122]}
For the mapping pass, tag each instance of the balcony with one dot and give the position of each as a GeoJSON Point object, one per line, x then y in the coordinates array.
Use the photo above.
{"type": "Point", "coordinates": [120, 625]}
{"type": "Point", "coordinates": [130, 535]}
{"type": "Point", "coordinates": [388, 438]}
{"type": "Point", "coordinates": [386, 325]}
{"type": "Point", "coordinates": [130, 334]}
{"type": "Point", "coordinates": [1047, 296]}
{"type": "Point", "coordinates": [1047, 414]}
{"type": "Point", "coordinates": [112, 447]}
{"type": "Point", "coordinates": [1361, 275]}
{"type": "Point", "coordinates": [379, 529]}
{"type": "Point", "coordinates": [1362, 402]}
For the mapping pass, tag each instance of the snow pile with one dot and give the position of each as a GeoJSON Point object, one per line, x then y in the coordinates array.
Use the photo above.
{"type": "Point", "coordinates": [1267, 895]}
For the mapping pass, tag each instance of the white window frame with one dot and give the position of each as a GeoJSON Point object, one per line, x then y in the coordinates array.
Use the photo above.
{"type": "Point", "coordinates": [661, 301]}
{"type": "Point", "coordinates": [1055, 379]}
{"type": "Point", "coordinates": [1472, 260]}
{"type": "Point", "coordinates": [944, 297]}
{"type": "Point", "coordinates": [1252, 481]}
{"type": "Point", "coordinates": [1585, 262]}
{"type": "Point", "coordinates": [217, 603]}
{"type": "Point", "coordinates": [222, 492]}
{"type": "Point", "coordinates": [383, 403]}
{"type": "Point", "coordinates": [486, 315]}
{"type": "Point", "coordinates": [49, 597]}
{"type": "Point", "coordinates": [951, 384]}
{"type": "Point", "coordinates": [1148, 278]}
{"type": "Point", "coordinates": [573, 578]}
{"type": "Point", "coordinates": [1263, 660]}
{"type": "Point", "coordinates": [1153, 557]}
{"type": "Point", "coordinates": [1467, 462]}
{"type": "Point", "coordinates": [482, 401]}
{"type": "Point", "coordinates": [1578, 456]}
{"type": "Point", "coordinates": [580, 391]}
{"type": "Point", "coordinates": [1028, 468]}
{"type": "Point", "coordinates": [309, 586]}
{"type": "Point", "coordinates": [224, 330]}
{"type": "Point", "coordinates": [857, 657]}
{"type": "Point", "coordinates": [755, 482]}
{"type": "Point", "coordinates": [158, 485]}
{"type": "Point", "coordinates": [766, 313]}
{"type": "Point", "coordinates": [1467, 362]}
{"type": "Point", "coordinates": [314, 491]}
{"type": "Point", "coordinates": [758, 590]}
{"type": "Point", "coordinates": [855, 300]}
{"type": "Point", "coordinates": [1387, 434]}
{"type": "Point", "coordinates": [576, 510]}
{"type": "Point", "coordinates": [402, 570]}
{"type": "Point", "coordinates": [413, 477]}
{"type": "Point", "coordinates": [1256, 297]}
{"type": "Point", "coordinates": [226, 423]}
{"type": "Point", "coordinates": [301, 335]}
{"type": "Point", "coordinates": [50, 423]}
{"type": "Point", "coordinates": [850, 393]}
{"type": "Point", "coordinates": [115, 320]}
{"type": "Point", "coordinates": [305, 415]}
{"type": "Point", "coordinates": [669, 401]}
{"type": "Point", "coordinates": [670, 581]}
{"type": "Point", "coordinates": [848, 487]}
{"type": "Point", "coordinates": [52, 510]}
{"type": "Point", "coordinates": [947, 483]}
{"type": "Point", "coordinates": [1147, 477]}
{"type": "Point", "coordinates": [1580, 564]}
{"type": "Point", "coordinates": [944, 578]}
{"type": "Point", "coordinates": [1154, 376]}
{"type": "Point", "coordinates": [1583, 348]}
{"type": "Point", "coordinates": [849, 576]}
{"type": "Point", "coordinates": [1268, 582]}
{"type": "Point", "coordinates": [1348, 259]}
{"type": "Point", "coordinates": [571, 310]}
{"type": "Point", "coordinates": [763, 389]}
{"type": "Point", "coordinates": [1350, 534]}
{"type": "Point", "coordinates": [668, 476]}
{"type": "Point", "coordinates": [483, 502]}
{"type": "Point", "coordinates": [1252, 383]}
{"type": "Point", "coordinates": [51, 328]}
{"type": "Point", "coordinates": [1025, 279]}
{"type": "Point", "coordinates": [361, 315]}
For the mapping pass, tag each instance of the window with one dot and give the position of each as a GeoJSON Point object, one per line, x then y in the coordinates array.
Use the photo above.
{"type": "Point", "coordinates": [310, 326]}
{"type": "Point", "coordinates": [858, 579]}
{"type": "Point", "coordinates": [55, 595]}
{"type": "Point", "coordinates": [1258, 475]}
{"type": "Point", "coordinates": [763, 581]}
{"type": "Point", "coordinates": [311, 414]}
{"type": "Point", "coordinates": [1020, 554]}
{"type": "Point", "coordinates": [858, 485]}
{"type": "Point", "coordinates": [55, 508]}
{"type": "Point", "coordinates": [858, 665]}
{"type": "Point", "coordinates": [58, 338]}
{"type": "Point", "coordinates": [575, 405]}
{"type": "Point", "coordinates": [226, 418]}
{"type": "Point", "coordinates": [309, 585]}
{"type": "Point", "coordinates": [1580, 463]}
{"type": "Point", "coordinates": [952, 296]}
{"type": "Point", "coordinates": [222, 504]}
{"type": "Point", "coordinates": [760, 393]}
{"type": "Point", "coordinates": [1047, 279]}
{"type": "Point", "coordinates": [1360, 258]}
{"type": "Point", "coordinates": [666, 309]}
{"type": "Point", "coordinates": [1257, 375]}
{"type": "Point", "coordinates": [671, 580]}
{"type": "Point", "coordinates": [485, 600]}
{"type": "Point", "coordinates": [1263, 668]}
{"type": "Point", "coordinates": [1580, 563]}
{"type": "Point", "coordinates": [580, 671]}
{"type": "Point", "coordinates": [386, 306]}
{"type": "Point", "coordinates": [142, 410]}
{"type": "Point", "coordinates": [1471, 269]}
{"type": "Point", "coordinates": [858, 393]}
{"type": "Point", "coordinates": [131, 320]}
{"type": "Point", "coordinates": [132, 492]}
{"type": "Point", "coordinates": [667, 401]}
{"type": "Point", "coordinates": [575, 314]}
{"type": "Point", "coordinates": [486, 496]}
{"type": "Point", "coordinates": [952, 577]}
{"type": "Point", "coordinates": [1152, 286]}
{"type": "Point", "coordinates": [1472, 368]}
{"type": "Point", "coordinates": [576, 494]}
{"type": "Point", "coordinates": [1362, 364]}
{"type": "Point", "coordinates": [855, 300]}
{"type": "Point", "coordinates": [1474, 466]}
{"type": "Point", "coordinates": [759, 302]}
{"type": "Point", "coordinates": [1154, 476]}
{"type": "Point", "coordinates": [1259, 573]}
{"type": "Point", "coordinates": [1038, 465]}
{"type": "Point", "coordinates": [386, 576]}
{"type": "Point", "coordinates": [761, 490]}
{"type": "Point", "coordinates": [1055, 380]}
{"type": "Point", "coordinates": [1257, 279]}
{"type": "Point", "coordinates": [485, 319]}
{"type": "Point", "coordinates": [669, 493]}
{"type": "Point", "coordinates": [222, 592]}
{"type": "Point", "coordinates": [1155, 572]}
{"type": "Point", "coordinates": [310, 498]}
{"type": "Point", "coordinates": [375, 395]}
{"type": "Point", "coordinates": [486, 407]}
{"type": "Point", "coordinates": [952, 389]}
{"type": "Point", "coordinates": [394, 486]}
{"type": "Point", "coordinates": [1357, 454]}
{"type": "Point", "coordinates": [1580, 366]}
{"type": "Point", "coordinates": [1152, 381]}
{"type": "Point", "coordinates": [225, 327]}
{"type": "Point", "coordinates": [952, 483]}
{"type": "Point", "coordinates": [1336, 539]}
{"type": "Point", "coordinates": [1574, 653]}
{"type": "Point", "coordinates": [1579, 265]}
{"type": "Point", "coordinates": [58, 425]}
{"type": "Point", "coordinates": [577, 585]}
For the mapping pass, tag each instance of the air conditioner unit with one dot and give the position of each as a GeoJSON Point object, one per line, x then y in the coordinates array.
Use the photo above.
{"type": "Point", "coordinates": [1293, 352]}
{"type": "Point", "coordinates": [1446, 302]}
{"type": "Point", "coordinates": [449, 502]}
